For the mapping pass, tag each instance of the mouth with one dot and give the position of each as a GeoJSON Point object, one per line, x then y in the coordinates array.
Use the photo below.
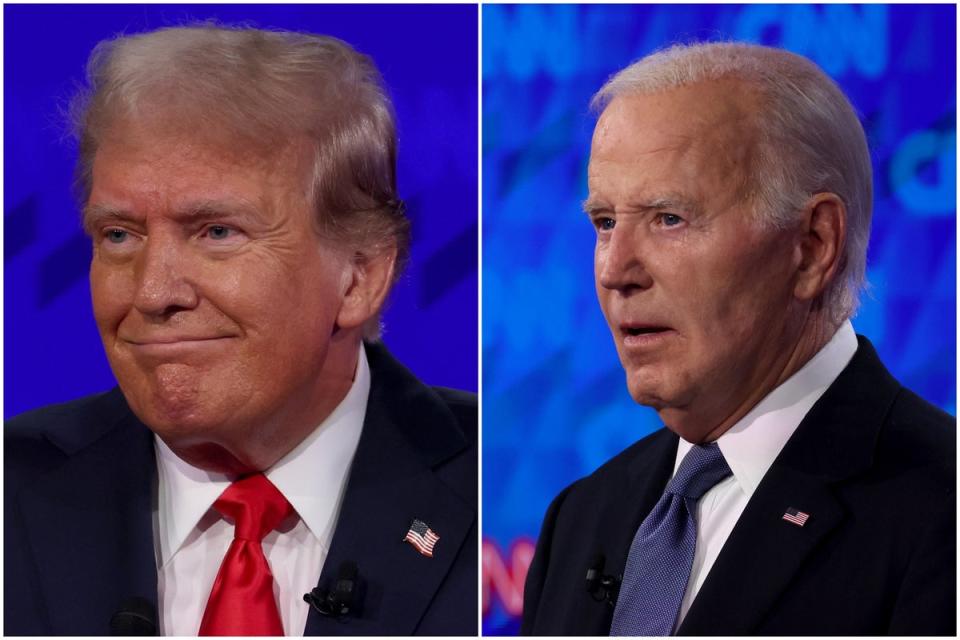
{"type": "Point", "coordinates": [144, 343]}
{"type": "Point", "coordinates": [172, 346]}
{"type": "Point", "coordinates": [639, 329]}
{"type": "Point", "coordinates": [643, 331]}
{"type": "Point", "coordinates": [638, 335]}
{"type": "Point", "coordinates": [171, 339]}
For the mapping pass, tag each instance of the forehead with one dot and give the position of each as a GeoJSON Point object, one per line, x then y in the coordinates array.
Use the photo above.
{"type": "Point", "coordinates": [699, 136]}
{"type": "Point", "coordinates": [709, 110]}
{"type": "Point", "coordinates": [165, 138]}
{"type": "Point", "coordinates": [144, 158]}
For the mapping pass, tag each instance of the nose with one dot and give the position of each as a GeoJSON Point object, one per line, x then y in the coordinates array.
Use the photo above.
{"type": "Point", "coordinates": [618, 262]}
{"type": "Point", "coordinates": [163, 287]}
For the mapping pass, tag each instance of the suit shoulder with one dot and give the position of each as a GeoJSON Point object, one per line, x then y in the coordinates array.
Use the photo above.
{"type": "Point", "coordinates": [463, 405]}
{"type": "Point", "coordinates": [68, 424]}
{"type": "Point", "coordinates": [918, 435]}
{"type": "Point", "coordinates": [650, 445]}
{"type": "Point", "coordinates": [589, 491]}
{"type": "Point", "coordinates": [457, 398]}
{"type": "Point", "coordinates": [52, 417]}
{"type": "Point", "coordinates": [928, 419]}
{"type": "Point", "coordinates": [37, 440]}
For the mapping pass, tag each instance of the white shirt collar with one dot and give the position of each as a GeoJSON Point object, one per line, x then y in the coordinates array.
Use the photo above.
{"type": "Point", "coordinates": [752, 444]}
{"type": "Point", "coordinates": [313, 476]}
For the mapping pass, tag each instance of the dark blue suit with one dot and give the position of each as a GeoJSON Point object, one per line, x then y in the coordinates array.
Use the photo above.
{"type": "Point", "coordinates": [874, 466]}
{"type": "Point", "coordinates": [79, 494]}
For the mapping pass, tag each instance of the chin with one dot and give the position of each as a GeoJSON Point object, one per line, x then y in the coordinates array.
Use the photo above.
{"type": "Point", "coordinates": [669, 401]}
{"type": "Point", "coordinates": [646, 388]}
{"type": "Point", "coordinates": [177, 397]}
{"type": "Point", "coordinates": [175, 416]}
{"type": "Point", "coordinates": [180, 423]}
{"type": "Point", "coordinates": [690, 435]}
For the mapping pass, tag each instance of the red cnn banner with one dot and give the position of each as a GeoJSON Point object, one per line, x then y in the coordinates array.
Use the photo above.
{"type": "Point", "coordinates": [503, 578]}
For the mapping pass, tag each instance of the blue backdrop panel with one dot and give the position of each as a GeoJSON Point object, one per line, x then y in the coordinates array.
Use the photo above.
{"type": "Point", "coordinates": [428, 57]}
{"type": "Point", "coordinates": [555, 402]}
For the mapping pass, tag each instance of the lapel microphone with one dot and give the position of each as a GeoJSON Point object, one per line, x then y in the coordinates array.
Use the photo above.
{"type": "Point", "coordinates": [136, 617]}
{"type": "Point", "coordinates": [344, 599]}
{"type": "Point", "coordinates": [602, 586]}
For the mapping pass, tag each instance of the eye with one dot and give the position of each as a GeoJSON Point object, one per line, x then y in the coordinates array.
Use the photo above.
{"type": "Point", "coordinates": [116, 236]}
{"type": "Point", "coordinates": [218, 232]}
{"type": "Point", "coordinates": [604, 223]}
{"type": "Point", "coordinates": [670, 219]}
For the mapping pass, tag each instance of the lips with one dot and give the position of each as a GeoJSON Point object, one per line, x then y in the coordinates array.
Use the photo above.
{"type": "Point", "coordinates": [169, 347]}
{"type": "Point", "coordinates": [170, 339]}
{"type": "Point", "coordinates": [641, 329]}
{"type": "Point", "coordinates": [643, 336]}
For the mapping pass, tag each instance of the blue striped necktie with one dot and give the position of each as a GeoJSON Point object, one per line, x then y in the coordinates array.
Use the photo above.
{"type": "Point", "coordinates": [661, 555]}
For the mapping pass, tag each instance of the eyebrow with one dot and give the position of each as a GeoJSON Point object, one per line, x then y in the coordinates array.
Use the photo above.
{"type": "Point", "coordinates": [593, 207]}
{"type": "Point", "coordinates": [199, 211]}
{"type": "Point", "coordinates": [93, 214]}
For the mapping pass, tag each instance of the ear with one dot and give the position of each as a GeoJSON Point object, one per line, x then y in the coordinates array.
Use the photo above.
{"type": "Point", "coordinates": [820, 250]}
{"type": "Point", "coordinates": [370, 277]}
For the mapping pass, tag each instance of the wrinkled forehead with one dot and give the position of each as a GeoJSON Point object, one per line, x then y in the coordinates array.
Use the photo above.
{"type": "Point", "coordinates": [701, 139]}
{"type": "Point", "coordinates": [161, 139]}
{"type": "Point", "coordinates": [716, 116]}
{"type": "Point", "coordinates": [139, 167]}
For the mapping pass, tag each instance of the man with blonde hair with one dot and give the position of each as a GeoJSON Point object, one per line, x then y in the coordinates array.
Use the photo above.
{"type": "Point", "coordinates": [265, 466]}
{"type": "Point", "coordinates": [798, 488]}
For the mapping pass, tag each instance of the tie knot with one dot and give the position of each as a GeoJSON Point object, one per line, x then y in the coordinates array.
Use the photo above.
{"type": "Point", "coordinates": [255, 505]}
{"type": "Point", "coordinates": [701, 468]}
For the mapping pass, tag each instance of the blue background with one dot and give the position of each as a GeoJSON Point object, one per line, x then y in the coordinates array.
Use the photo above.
{"type": "Point", "coordinates": [555, 403]}
{"type": "Point", "coordinates": [428, 57]}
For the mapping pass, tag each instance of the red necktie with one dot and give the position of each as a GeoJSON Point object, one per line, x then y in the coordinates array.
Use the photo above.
{"type": "Point", "coordinates": [241, 602]}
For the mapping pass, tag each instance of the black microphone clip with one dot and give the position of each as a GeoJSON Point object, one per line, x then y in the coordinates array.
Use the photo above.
{"type": "Point", "coordinates": [135, 617]}
{"type": "Point", "coordinates": [343, 599]}
{"type": "Point", "coordinates": [602, 586]}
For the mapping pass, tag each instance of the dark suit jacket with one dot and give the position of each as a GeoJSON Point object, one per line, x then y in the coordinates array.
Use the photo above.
{"type": "Point", "coordinates": [79, 485]}
{"type": "Point", "coordinates": [874, 466]}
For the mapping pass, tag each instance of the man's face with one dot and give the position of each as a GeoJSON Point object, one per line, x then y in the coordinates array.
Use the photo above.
{"type": "Point", "coordinates": [214, 296]}
{"type": "Point", "coordinates": [697, 294]}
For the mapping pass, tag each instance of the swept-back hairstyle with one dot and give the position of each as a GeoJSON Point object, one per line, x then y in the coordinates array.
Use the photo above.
{"type": "Point", "coordinates": [810, 139]}
{"type": "Point", "coordinates": [263, 89]}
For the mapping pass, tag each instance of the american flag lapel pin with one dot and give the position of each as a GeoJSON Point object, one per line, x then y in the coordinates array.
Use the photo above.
{"type": "Point", "coordinates": [421, 537]}
{"type": "Point", "coordinates": [796, 516]}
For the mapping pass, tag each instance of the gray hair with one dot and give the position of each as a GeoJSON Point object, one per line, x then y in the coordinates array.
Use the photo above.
{"type": "Point", "coordinates": [810, 139]}
{"type": "Point", "coordinates": [264, 89]}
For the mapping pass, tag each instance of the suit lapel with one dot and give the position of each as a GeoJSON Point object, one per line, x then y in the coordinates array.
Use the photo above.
{"type": "Point", "coordinates": [396, 476]}
{"type": "Point", "coordinates": [97, 502]}
{"type": "Point", "coordinates": [647, 477]}
{"type": "Point", "coordinates": [624, 509]}
{"type": "Point", "coordinates": [834, 441]}
{"type": "Point", "coordinates": [762, 554]}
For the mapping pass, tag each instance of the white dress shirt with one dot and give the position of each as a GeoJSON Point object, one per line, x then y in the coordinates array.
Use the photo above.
{"type": "Point", "coordinates": [752, 444]}
{"type": "Point", "coordinates": [191, 538]}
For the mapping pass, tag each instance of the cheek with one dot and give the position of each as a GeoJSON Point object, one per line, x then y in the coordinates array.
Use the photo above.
{"type": "Point", "coordinates": [602, 292]}
{"type": "Point", "coordinates": [239, 284]}
{"type": "Point", "coordinates": [111, 293]}
{"type": "Point", "coordinates": [603, 298]}
{"type": "Point", "coordinates": [765, 283]}
{"type": "Point", "coordinates": [293, 306]}
{"type": "Point", "coordinates": [737, 299]}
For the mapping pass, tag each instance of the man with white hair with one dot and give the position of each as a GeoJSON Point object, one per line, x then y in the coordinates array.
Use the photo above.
{"type": "Point", "coordinates": [265, 466]}
{"type": "Point", "coordinates": [798, 488]}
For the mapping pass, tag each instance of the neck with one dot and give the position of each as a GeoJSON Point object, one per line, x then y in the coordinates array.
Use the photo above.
{"type": "Point", "coordinates": [809, 337]}
{"type": "Point", "coordinates": [252, 448]}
